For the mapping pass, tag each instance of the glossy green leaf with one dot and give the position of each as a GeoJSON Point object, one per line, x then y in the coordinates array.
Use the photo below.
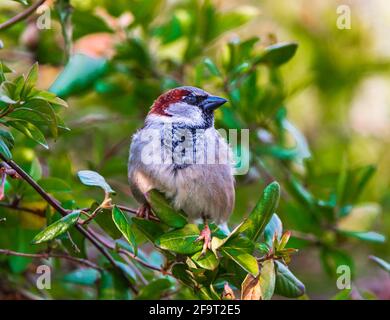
{"type": "Point", "coordinates": [29, 130]}
{"type": "Point", "coordinates": [104, 220]}
{"type": "Point", "coordinates": [6, 143]}
{"type": "Point", "coordinates": [286, 283]}
{"type": "Point", "coordinates": [274, 227]}
{"type": "Point", "coordinates": [151, 229]}
{"type": "Point", "coordinates": [4, 150]}
{"type": "Point", "coordinates": [181, 240]}
{"type": "Point", "coordinates": [245, 260]}
{"type": "Point", "coordinates": [92, 178]}
{"type": "Point", "coordinates": [263, 211]}
{"type": "Point", "coordinates": [79, 74]}
{"type": "Point", "coordinates": [267, 279]}
{"type": "Point", "coordinates": [207, 261]}
{"type": "Point", "coordinates": [370, 236]}
{"type": "Point", "coordinates": [125, 226]}
{"type": "Point", "coordinates": [57, 228]}
{"type": "Point", "coordinates": [278, 54]}
{"type": "Point", "coordinates": [165, 212]}
{"type": "Point", "coordinates": [30, 81]}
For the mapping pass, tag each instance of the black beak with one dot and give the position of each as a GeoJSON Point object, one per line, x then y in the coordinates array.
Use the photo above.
{"type": "Point", "coordinates": [212, 102]}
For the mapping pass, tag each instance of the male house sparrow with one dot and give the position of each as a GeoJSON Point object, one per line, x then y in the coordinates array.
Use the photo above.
{"type": "Point", "coordinates": [188, 160]}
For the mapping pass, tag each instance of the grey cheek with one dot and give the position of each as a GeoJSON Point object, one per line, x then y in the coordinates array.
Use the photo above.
{"type": "Point", "coordinates": [185, 111]}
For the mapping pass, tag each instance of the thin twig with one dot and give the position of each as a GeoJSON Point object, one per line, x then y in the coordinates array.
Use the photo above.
{"type": "Point", "coordinates": [126, 209]}
{"type": "Point", "coordinates": [17, 208]}
{"type": "Point", "coordinates": [21, 16]}
{"type": "Point", "coordinates": [55, 204]}
{"type": "Point", "coordinates": [51, 255]}
{"type": "Point", "coordinates": [305, 236]}
{"type": "Point", "coordinates": [109, 244]}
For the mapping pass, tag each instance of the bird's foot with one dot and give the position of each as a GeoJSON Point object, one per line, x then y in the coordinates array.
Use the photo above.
{"type": "Point", "coordinates": [145, 211]}
{"type": "Point", "coordinates": [205, 235]}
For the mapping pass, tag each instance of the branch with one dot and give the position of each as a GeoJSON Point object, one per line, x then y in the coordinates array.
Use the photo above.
{"type": "Point", "coordinates": [109, 244]}
{"type": "Point", "coordinates": [306, 237]}
{"type": "Point", "coordinates": [55, 204]}
{"type": "Point", "coordinates": [51, 255]}
{"type": "Point", "coordinates": [21, 16]}
{"type": "Point", "coordinates": [126, 209]}
{"type": "Point", "coordinates": [16, 207]}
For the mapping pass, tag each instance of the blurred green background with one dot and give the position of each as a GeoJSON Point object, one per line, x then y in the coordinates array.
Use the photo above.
{"type": "Point", "coordinates": [334, 93]}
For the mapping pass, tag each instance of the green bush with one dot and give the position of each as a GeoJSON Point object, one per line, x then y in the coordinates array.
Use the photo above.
{"type": "Point", "coordinates": [51, 213]}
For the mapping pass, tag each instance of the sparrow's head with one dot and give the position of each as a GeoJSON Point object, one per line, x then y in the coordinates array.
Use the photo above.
{"type": "Point", "coordinates": [188, 106]}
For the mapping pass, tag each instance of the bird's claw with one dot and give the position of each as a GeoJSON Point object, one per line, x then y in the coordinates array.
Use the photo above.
{"type": "Point", "coordinates": [205, 235]}
{"type": "Point", "coordinates": [144, 211]}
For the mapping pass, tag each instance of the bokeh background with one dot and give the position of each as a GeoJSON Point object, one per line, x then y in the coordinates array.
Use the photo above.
{"type": "Point", "coordinates": [334, 91]}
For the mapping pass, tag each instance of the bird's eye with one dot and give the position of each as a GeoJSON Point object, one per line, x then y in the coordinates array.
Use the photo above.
{"type": "Point", "coordinates": [191, 99]}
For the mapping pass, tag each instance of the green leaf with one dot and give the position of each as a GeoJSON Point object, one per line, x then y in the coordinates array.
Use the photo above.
{"type": "Point", "coordinates": [263, 211]}
{"type": "Point", "coordinates": [25, 2]}
{"type": "Point", "coordinates": [211, 66]}
{"type": "Point", "coordinates": [125, 226]}
{"type": "Point", "coordinates": [267, 279]}
{"type": "Point", "coordinates": [370, 236]}
{"type": "Point", "coordinates": [85, 277]}
{"type": "Point", "coordinates": [4, 149]}
{"type": "Point", "coordinates": [78, 75]}
{"type": "Point", "coordinates": [151, 229]}
{"type": "Point", "coordinates": [274, 227]}
{"type": "Point", "coordinates": [286, 283]}
{"type": "Point", "coordinates": [181, 272]}
{"type": "Point", "coordinates": [382, 263]}
{"type": "Point", "coordinates": [54, 185]}
{"type": "Point", "coordinates": [165, 212]}
{"type": "Point", "coordinates": [104, 220]}
{"type": "Point", "coordinates": [278, 54]}
{"type": "Point", "coordinates": [48, 97]}
{"type": "Point", "coordinates": [245, 260]}
{"type": "Point", "coordinates": [181, 240]}
{"type": "Point", "coordinates": [4, 98]}
{"type": "Point", "coordinates": [4, 68]}
{"type": "Point", "coordinates": [92, 178]}
{"type": "Point", "coordinates": [29, 130]}
{"type": "Point", "coordinates": [154, 290]}
{"type": "Point", "coordinates": [42, 112]}
{"type": "Point", "coordinates": [30, 81]}
{"type": "Point", "coordinates": [6, 143]}
{"type": "Point", "coordinates": [57, 228]}
{"type": "Point", "coordinates": [209, 261]}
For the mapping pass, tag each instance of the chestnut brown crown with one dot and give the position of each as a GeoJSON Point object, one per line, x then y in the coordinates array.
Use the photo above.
{"type": "Point", "coordinates": [190, 95]}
